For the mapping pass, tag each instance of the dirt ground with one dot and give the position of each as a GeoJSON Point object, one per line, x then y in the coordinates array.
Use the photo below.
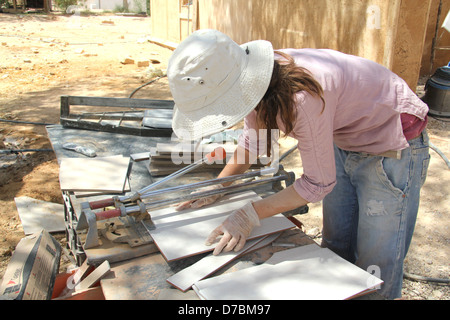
{"type": "Point", "coordinates": [43, 57]}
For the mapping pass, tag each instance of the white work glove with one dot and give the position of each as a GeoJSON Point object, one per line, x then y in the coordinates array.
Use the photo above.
{"type": "Point", "coordinates": [235, 229]}
{"type": "Point", "coordinates": [195, 204]}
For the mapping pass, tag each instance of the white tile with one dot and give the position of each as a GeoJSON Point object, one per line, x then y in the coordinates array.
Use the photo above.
{"type": "Point", "coordinates": [315, 275]}
{"type": "Point", "coordinates": [184, 279]}
{"type": "Point", "coordinates": [180, 234]}
{"type": "Point", "coordinates": [94, 174]}
{"type": "Point", "coordinates": [36, 215]}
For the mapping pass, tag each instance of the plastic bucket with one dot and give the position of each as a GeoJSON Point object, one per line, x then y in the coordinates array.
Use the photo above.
{"type": "Point", "coordinates": [437, 92]}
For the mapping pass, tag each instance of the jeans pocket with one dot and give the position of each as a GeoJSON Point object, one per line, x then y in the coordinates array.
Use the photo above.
{"type": "Point", "coordinates": [388, 190]}
{"type": "Point", "coordinates": [394, 175]}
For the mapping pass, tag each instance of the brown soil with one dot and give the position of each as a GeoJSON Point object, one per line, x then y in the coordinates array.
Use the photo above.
{"type": "Point", "coordinates": [43, 57]}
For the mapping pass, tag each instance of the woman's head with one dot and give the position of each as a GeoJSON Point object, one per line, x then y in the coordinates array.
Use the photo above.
{"type": "Point", "coordinates": [215, 82]}
{"type": "Point", "coordinates": [287, 79]}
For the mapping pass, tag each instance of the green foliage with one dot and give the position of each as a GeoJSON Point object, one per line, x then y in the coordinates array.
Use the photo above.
{"type": "Point", "coordinates": [4, 4]}
{"type": "Point", "coordinates": [64, 4]}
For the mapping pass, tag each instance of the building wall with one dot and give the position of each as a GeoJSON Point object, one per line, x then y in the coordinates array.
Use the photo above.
{"type": "Point", "coordinates": [166, 23]}
{"type": "Point", "coordinates": [133, 5]}
{"type": "Point", "coordinates": [390, 32]}
{"type": "Point", "coordinates": [441, 57]}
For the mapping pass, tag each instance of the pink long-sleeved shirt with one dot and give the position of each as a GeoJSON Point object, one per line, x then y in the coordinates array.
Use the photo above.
{"type": "Point", "coordinates": [363, 106]}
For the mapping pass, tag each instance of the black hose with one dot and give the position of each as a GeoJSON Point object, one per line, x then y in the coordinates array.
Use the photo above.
{"type": "Point", "coordinates": [146, 84]}
{"type": "Point", "coordinates": [415, 277]}
{"type": "Point", "coordinates": [27, 122]}
{"type": "Point", "coordinates": [16, 151]}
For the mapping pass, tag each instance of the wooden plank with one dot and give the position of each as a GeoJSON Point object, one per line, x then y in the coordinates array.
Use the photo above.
{"type": "Point", "coordinates": [410, 40]}
{"type": "Point", "coordinates": [180, 234]}
{"type": "Point", "coordinates": [94, 277]}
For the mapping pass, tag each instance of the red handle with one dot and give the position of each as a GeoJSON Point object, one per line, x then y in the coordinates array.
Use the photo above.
{"type": "Point", "coordinates": [101, 203]}
{"type": "Point", "coordinates": [217, 154]}
{"type": "Point", "coordinates": [103, 215]}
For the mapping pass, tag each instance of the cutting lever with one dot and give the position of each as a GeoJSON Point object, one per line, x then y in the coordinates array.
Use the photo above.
{"type": "Point", "coordinates": [217, 154]}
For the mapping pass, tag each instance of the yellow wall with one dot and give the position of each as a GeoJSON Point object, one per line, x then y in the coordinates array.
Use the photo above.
{"type": "Point", "coordinates": [390, 32]}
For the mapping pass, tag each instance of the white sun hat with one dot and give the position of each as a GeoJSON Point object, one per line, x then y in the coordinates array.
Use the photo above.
{"type": "Point", "coordinates": [215, 82]}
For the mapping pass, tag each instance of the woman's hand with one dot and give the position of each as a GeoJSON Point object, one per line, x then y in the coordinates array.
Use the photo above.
{"type": "Point", "coordinates": [235, 230]}
{"type": "Point", "coordinates": [195, 204]}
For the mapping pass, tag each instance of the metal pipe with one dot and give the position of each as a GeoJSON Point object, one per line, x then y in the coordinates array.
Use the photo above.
{"type": "Point", "coordinates": [198, 195]}
{"type": "Point", "coordinates": [201, 184]}
{"type": "Point", "coordinates": [24, 150]}
{"type": "Point", "coordinates": [218, 154]}
{"type": "Point", "coordinates": [178, 173]}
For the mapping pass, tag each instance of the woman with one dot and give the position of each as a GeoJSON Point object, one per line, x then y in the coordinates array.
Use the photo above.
{"type": "Point", "coordinates": [360, 131]}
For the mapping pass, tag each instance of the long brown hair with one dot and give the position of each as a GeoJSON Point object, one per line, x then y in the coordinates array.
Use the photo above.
{"type": "Point", "coordinates": [287, 80]}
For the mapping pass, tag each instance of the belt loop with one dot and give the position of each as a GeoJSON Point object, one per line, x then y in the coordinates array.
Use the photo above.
{"type": "Point", "coordinates": [425, 138]}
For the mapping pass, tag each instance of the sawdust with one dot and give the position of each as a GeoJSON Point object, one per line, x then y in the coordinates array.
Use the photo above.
{"type": "Point", "coordinates": [43, 57]}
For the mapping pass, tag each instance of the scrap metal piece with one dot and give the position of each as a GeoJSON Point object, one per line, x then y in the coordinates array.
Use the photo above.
{"type": "Point", "coordinates": [126, 121]}
{"type": "Point", "coordinates": [80, 149]}
{"type": "Point", "coordinates": [127, 230]}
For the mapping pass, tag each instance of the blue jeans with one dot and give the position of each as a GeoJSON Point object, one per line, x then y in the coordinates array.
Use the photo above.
{"type": "Point", "coordinates": [369, 217]}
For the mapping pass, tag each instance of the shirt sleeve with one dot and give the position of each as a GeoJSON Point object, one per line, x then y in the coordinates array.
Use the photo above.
{"type": "Point", "coordinates": [314, 131]}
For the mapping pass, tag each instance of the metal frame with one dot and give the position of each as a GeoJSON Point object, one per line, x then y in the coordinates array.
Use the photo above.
{"type": "Point", "coordinates": [113, 121]}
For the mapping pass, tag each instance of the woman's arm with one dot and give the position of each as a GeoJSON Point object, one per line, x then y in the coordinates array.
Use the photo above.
{"type": "Point", "coordinates": [285, 200]}
{"type": "Point", "coordinates": [239, 163]}
{"type": "Point", "coordinates": [282, 201]}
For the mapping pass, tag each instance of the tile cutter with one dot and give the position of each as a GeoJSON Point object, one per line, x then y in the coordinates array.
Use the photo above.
{"type": "Point", "coordinates": [134, 206]}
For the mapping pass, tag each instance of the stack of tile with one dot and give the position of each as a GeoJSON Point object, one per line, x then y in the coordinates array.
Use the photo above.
{"type": "Point", "coordinates": [91, 176]}
{"type": "Point", "coordinates": [167, 158]}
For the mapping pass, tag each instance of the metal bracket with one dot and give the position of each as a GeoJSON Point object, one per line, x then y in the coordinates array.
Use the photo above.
{"type": "Point", "coordinates": [131, 229]}
{"type": "Point", "coordinates": [127, 230]}
{"type": "Point", "coordinates": [88, 220]}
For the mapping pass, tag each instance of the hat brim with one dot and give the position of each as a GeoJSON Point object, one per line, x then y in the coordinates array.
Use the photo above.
{"type": "Point", "coordinates": [236, 103]}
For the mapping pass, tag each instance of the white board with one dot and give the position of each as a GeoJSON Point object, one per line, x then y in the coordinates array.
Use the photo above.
{"type": "Point", "coordinates": [180, 234]}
